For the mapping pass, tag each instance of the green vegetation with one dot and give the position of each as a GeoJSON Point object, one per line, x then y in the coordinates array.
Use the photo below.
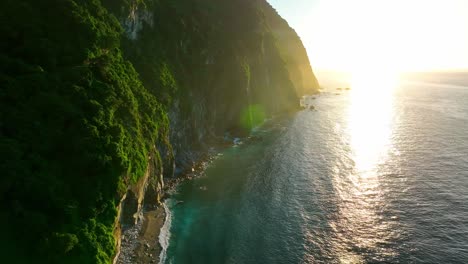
{"type": "Point", "coordinates": [76, 123]}
{"type": "Point", "coordinates": [83, 107]}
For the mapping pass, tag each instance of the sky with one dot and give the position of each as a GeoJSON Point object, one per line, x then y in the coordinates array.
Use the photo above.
{"type": "Point", "coordinates": [395, 35]}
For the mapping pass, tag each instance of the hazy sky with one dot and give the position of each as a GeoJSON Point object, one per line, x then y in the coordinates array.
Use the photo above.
{"type": "Point", "coordinates": [400, 35]}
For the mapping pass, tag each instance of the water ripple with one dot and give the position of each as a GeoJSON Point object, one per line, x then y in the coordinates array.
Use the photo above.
{"type": "Point", "coordinates": [338, 185]}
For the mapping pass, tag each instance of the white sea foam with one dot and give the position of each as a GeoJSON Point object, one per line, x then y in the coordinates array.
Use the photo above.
{"type": "Point", "coordinates": [165, 234]}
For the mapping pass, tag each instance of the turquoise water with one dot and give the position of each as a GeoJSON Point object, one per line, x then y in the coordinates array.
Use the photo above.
{"type": "Point", "coordinates": [367, 178]}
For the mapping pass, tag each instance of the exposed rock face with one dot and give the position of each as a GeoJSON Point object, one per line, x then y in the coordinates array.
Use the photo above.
{"type": "Point", "coordinates": [133, 24]}
{"type": "Point", "coordinates": [146, 191]}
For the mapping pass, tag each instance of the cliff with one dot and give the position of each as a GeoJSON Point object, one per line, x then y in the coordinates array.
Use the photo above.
{"type": "Point", "coordinates": [234, 63]}
{"type": "Point", "coordinates": [292, 51]}
{"type": "Point", "coordinates": [100, 99]}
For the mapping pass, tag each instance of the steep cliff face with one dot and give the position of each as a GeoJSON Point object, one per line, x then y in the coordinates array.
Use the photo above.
{"type": "Point", "coordinates": [233, 63]}
{"type": "Point", "coordinates": [101, 98]}
{"type": "Point", "coordinates": [292, 51]}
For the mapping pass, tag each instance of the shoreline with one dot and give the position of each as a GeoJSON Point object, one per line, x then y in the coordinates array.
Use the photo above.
{"type": "Point", "coordinates": [140, 243]}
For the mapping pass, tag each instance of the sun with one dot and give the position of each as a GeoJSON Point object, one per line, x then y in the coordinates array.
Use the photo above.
{"type": "Point", "coordinates": [373, 82]}
{"type": "Point", "coordinates": [406, 35]}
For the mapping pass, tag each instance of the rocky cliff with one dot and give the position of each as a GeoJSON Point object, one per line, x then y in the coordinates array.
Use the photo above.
{"type": "Point", "coordinates": [101, 100]}
{"type": "Point", "coordinates": [233, 64]}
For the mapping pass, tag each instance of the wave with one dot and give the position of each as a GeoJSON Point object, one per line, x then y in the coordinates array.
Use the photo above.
{"type": "Point", "coordinates": [165, 234]}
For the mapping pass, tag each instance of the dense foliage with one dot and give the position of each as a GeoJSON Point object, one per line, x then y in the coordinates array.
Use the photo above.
{"type": "Point", "coordinates": [76, 124]}
{"type": "Point", "coordinates": [83, 107]}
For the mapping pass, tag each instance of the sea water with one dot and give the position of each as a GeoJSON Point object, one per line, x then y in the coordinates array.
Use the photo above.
{"type": "Point", "coordinates": [361, 179]}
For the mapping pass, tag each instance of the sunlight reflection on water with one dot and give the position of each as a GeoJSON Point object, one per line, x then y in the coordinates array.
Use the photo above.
{"type": "Point", "coordinates": [360, 222]}
{"type": "Point", "coordinates": [372, 176]}
{"type": "Point", "coordinates": [370, 116]}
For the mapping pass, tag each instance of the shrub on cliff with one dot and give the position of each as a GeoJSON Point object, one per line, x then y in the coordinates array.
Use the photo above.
{"type": "Point", "coordinates": [76, 123]}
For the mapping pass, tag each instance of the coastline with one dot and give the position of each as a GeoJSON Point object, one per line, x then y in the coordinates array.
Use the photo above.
{"type": "Point", "coordinates": [140, 243]}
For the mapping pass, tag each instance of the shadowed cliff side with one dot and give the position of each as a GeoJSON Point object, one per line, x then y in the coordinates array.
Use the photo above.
{"type": "Point", "coordinates": [234, 63]}
{"type": "Point", "coordinates": [292, 50]}
{"type": "Point", "coordinates": [100, 99]}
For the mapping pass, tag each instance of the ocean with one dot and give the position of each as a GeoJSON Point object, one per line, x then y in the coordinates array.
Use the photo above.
{"type": "Point", "coordinates": [367, 177]}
